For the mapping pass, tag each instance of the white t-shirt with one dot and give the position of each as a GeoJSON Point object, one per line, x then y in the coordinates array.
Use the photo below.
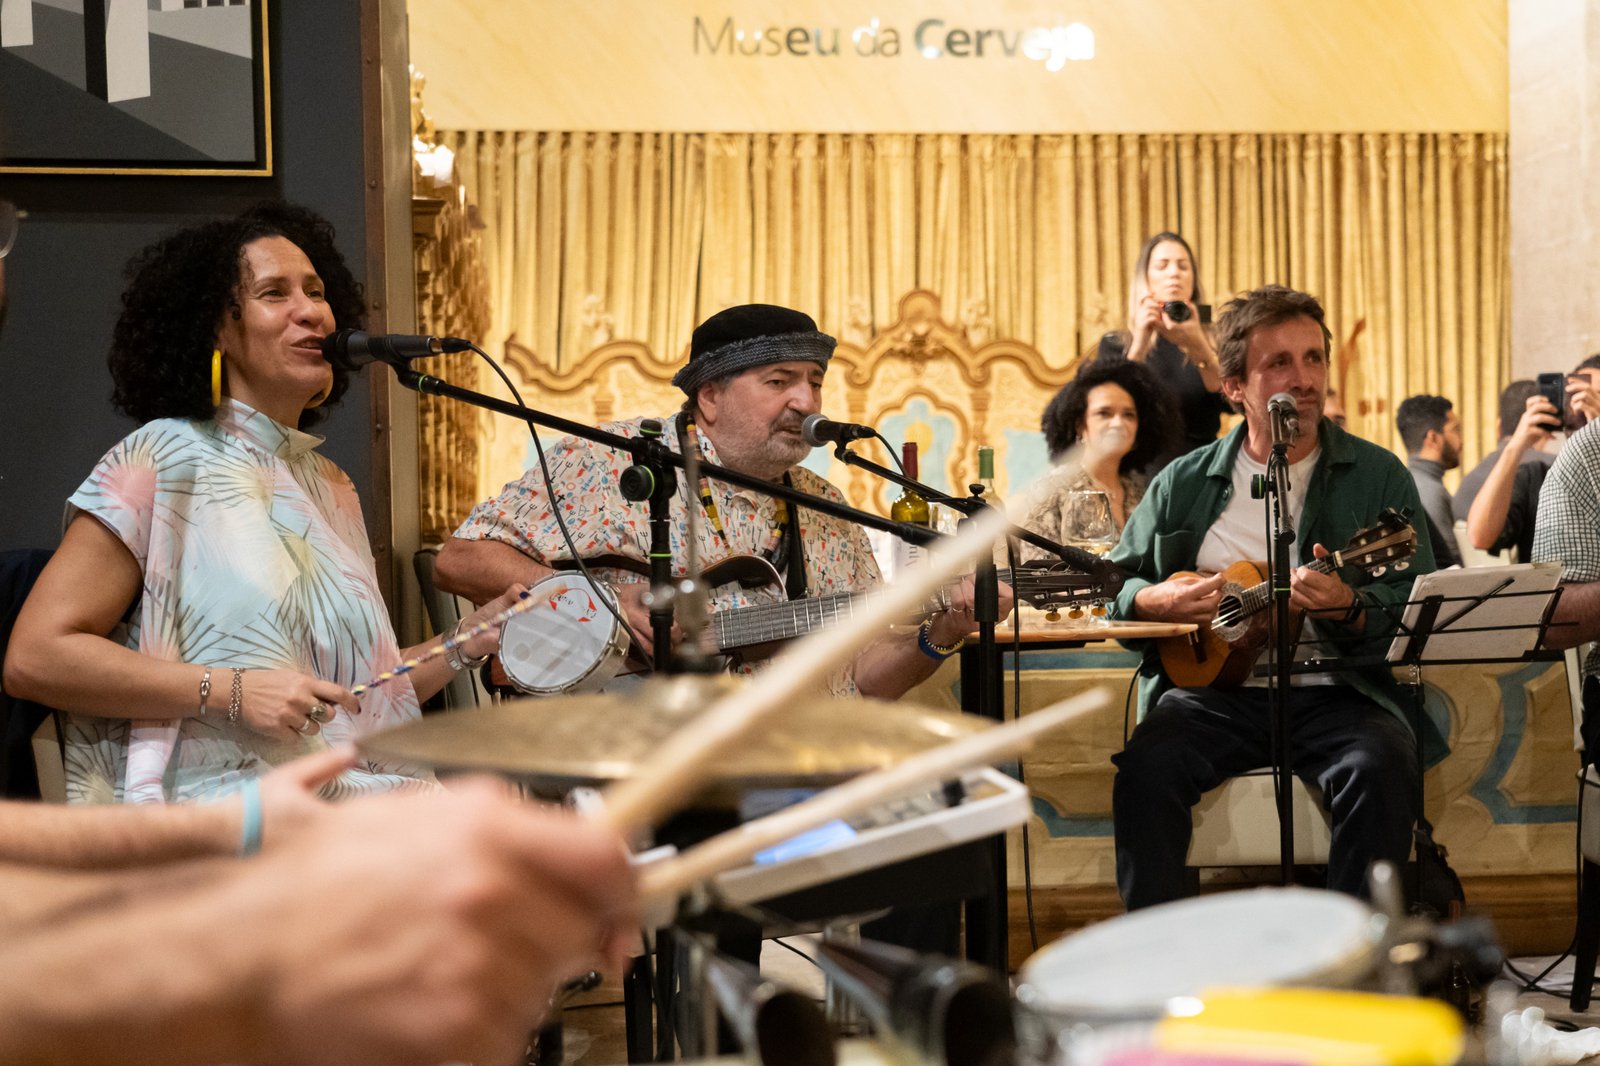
{"type": "Point", "coordinates": [1241, 532]}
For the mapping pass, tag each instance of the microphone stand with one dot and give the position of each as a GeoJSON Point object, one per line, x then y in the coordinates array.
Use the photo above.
{"type": "Point", "coordinates": [1085, 562]}
{"type": "Point", "coordinates": [653, 477]}
{"type": "Point", "coordinates": [1275, 486]}
{"type": "Point", "coordinates": [986, 920]}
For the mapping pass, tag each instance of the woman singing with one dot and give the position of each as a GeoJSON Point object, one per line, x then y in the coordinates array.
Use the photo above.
{"type": "Point", "coordinates": [214, 598]}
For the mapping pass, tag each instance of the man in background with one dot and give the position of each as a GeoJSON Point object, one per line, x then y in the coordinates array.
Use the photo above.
{"type": "Point", "coordinates": [1568, 533]}
{"type": "Point", "coordinates": [1431, 431]}
{"type": "Point", "coordinates": [1513, 402]}
{"type": "Point", "coordinates": [1505, 510]}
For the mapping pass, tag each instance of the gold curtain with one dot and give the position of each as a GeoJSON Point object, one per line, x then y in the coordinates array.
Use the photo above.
{"type": "Point", "coordinates": [600, 236]}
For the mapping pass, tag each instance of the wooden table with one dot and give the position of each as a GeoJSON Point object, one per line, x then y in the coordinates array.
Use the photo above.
{"type": "Point", "coordinates": [1070, 633]}
{"type": "Point", "coordinates": [987, 922]}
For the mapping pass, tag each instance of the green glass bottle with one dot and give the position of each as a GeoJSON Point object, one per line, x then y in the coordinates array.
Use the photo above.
{"type": "Point", "coordinates": [1004, 546]}
{"type": "Point", "coordinates": [909, 507]}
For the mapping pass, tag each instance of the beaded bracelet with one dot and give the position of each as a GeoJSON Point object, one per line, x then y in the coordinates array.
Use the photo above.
{"type": "Point", "coordinates": [236, 697]}
{"type": "Point", "coordinates": [250, 833]}
{"type": "Point", "coordinates": [937, 652]}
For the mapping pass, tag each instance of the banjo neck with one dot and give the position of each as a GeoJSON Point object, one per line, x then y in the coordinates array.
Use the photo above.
{"type": "Point", "coordinates": [766, 623]}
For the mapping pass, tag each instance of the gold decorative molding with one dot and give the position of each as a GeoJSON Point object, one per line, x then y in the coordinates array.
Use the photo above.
{"type": "Point", "coordinates": [452, 301]}
{"type": "Point", "coordinates": [984, 389]}
{"type": "Point", "coordinates": [588, 368]}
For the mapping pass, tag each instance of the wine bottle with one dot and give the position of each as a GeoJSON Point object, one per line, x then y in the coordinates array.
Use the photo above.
{"type": "Point", "coordinates": [909, 507]}
{"type": "Point", "coordinates": [1002, 557]}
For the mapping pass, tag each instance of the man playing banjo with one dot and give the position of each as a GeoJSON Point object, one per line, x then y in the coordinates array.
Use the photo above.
{"type": "Point", "coordinates": [755, 372]}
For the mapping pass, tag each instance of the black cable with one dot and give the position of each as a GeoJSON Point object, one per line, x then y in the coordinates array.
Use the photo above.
{"type": "Point", "coordinates": [1012, 565]}
{"type": "Point", "coordinates": [812, 959]}
{"type": "Point", "coordinates": [555, 498]}
{"type": "Point", "coordinates": [575, 1007]}
{"type": "Point", "coordinates": [894, 456]}
{"type": "Point", "coordinates": [1127, 705]}
{"type": "Point", "coordinates": [1531, 983]}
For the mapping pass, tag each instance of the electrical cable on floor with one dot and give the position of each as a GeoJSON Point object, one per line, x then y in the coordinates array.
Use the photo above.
{"type": "Point", "coordinates": [1531, 984]}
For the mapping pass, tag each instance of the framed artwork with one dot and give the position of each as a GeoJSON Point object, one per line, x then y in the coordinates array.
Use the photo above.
{"type": "Point", "coordinates": [134, 87]}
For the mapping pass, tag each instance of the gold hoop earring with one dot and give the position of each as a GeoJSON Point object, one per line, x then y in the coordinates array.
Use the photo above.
{"type": "Point", "coordinates": [216, 377]}
{"type": "Point", "coordinates": [320, 398]}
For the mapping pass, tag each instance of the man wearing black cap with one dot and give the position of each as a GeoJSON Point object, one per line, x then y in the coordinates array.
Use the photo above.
{"type": "Point", "coordinates": [754, 374]}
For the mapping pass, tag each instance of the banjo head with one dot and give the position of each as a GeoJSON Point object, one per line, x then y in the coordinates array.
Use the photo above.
{"type": "Point", "coordinates": [570, 641]}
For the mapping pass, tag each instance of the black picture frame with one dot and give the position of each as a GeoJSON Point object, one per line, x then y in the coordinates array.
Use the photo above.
{"type": "Point", "coordinates": [171, 87]}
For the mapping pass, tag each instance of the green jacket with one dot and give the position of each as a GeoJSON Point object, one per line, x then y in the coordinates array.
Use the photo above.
{"type": "Point", "coordinates": [1353, 481]}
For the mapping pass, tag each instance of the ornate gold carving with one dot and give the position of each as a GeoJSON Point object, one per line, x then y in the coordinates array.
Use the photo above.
{"type": "Point", "coordinates": [452, 300]}
{"type": "Point", "coordinates": [984, 388]}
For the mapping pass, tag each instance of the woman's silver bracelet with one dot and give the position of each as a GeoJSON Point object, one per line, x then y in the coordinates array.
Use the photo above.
{"type": "Point", "coordinates": [456, 654]}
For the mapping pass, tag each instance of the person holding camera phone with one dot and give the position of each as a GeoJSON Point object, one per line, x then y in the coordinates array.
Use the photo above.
{"type": "Point", "coordinates": [1168, 332]}
{"type": "Point", "coordinates": [1504, 510]}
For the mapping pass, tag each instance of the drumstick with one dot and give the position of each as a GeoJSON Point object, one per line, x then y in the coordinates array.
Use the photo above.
{"type": "Point", "coordinates": [678, 767]}
{"type": "Point", "coordinates": [671, 877]}
{"type": "Point", "coordinates": [524, 602]}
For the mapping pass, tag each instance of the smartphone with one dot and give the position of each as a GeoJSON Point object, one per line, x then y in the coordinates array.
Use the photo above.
{"type": "Point", "coordinates": [1553, 387]}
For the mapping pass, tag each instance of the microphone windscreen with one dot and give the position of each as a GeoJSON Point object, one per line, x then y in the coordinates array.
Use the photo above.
{"type": "Point", "coordinates": [808, 430]}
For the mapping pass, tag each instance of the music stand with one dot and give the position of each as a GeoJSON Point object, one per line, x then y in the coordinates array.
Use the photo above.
{"type": "Point", "coordinates": [1482, 607]}
{"type": "Point", "coordinates": [1513, 603]}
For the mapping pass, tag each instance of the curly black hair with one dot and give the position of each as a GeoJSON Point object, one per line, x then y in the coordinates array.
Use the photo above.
{"type": "Point", "coordinates": [1158, 417]}
{"type": "Point", "coordinates": [179, 289]}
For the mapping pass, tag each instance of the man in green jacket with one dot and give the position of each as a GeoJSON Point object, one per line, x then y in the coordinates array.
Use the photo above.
{"type": "Point", "coordinates": [1348, 732]}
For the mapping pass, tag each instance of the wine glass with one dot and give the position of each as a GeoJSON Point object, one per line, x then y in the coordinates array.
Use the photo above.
{"type": "Point", "coordinates": [1087, 524]}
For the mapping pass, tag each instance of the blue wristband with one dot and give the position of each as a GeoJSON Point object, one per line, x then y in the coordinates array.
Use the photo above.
{"type": "Point", "coordinates": [250, 836]}
{"type": "Point", "coordinates": [927, 647]}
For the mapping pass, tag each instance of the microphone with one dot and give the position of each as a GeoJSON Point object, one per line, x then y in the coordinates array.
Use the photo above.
{"type": "Point", "coordinates": [351, 349]}
{"type": "Point", "coordinates": [1285, 414]}
{"type": "Point", "coordinates": [818, 431]}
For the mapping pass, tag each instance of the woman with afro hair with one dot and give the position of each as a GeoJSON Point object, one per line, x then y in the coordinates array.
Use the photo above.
{"type": "Point", "coordinates": [1103, 429]}
{"type": "Point", "coordinates": [214, 598]}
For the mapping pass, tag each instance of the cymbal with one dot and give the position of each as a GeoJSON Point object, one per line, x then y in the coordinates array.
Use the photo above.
{"type": "Point", "coordinates": [559, 742]}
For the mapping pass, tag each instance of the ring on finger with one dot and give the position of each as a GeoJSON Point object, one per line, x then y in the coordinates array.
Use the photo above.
{"type": "Point", "coordinates": [318, 712]}
{"type": "Point", "coordinates": [306, 727]}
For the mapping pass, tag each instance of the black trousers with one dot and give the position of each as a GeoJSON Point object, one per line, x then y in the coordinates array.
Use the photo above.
{"type": "Point", "coordinates": [1362, 757]}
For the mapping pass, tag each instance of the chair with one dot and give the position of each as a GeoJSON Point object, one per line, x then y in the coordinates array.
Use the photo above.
{"type": "Point", "coordinates": [1471, 556]}
{"type": "Point", "coordinates": [1236, 824]}
{"type": "Point", "coordinates": [444, 611]}
{"type": "Point", "coordinates": [19, 718]}
{"type": "Point", "coordinates": [50, 761]}
{"type": "Point", "coordinates": [1586, 940]}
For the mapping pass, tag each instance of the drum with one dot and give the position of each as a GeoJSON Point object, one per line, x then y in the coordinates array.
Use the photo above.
{"type": "Point", "coordinates": [569, 642]}
{"type": "Point", "coordinates": [1133, 966]}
